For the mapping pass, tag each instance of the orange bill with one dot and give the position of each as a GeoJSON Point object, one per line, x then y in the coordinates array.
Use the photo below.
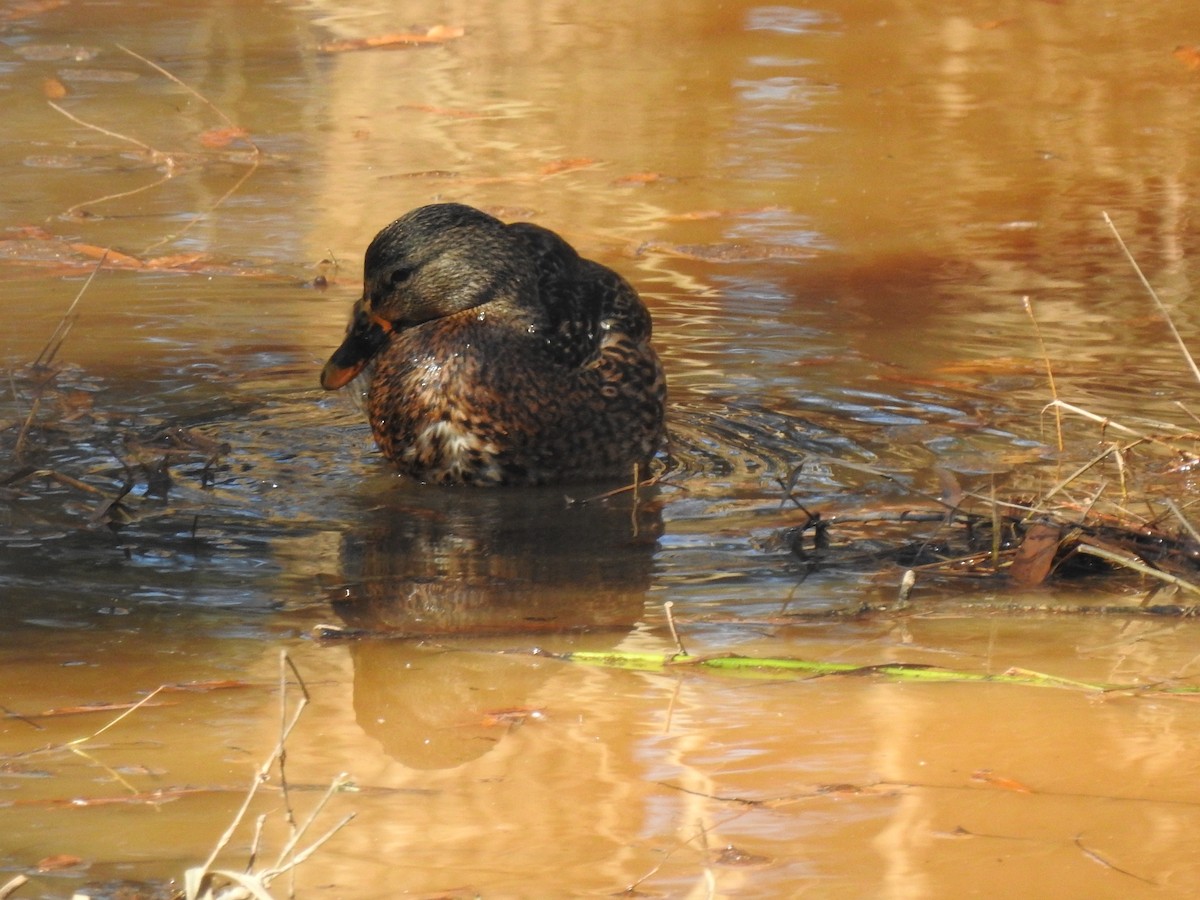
{"type": "Point", "coordinates": [367, 336]}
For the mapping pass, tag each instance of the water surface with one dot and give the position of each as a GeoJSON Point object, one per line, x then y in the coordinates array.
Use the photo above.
{"type": "Point", "coordinates": [834, 214]}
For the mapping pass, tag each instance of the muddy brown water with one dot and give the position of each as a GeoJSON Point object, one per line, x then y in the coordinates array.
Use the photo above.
{"type": "Point", "coordinates": [833, 211]}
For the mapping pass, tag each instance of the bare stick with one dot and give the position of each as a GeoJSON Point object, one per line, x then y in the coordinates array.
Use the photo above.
{"type": "Point", "coordinates": [19, 447]}
{"type": "Point", "coordinates": [72, 211]}
{"type": "Point", "coordinates": [1097, 858]}
{"type": "Point", "coordinates": [1110, 424]}
{"type": "Point", "coordinates": [256, 841]}
{"type": "Point", "coordinates": [667, 607]}
{"type": "Point", "coordinates": [1132, 562]}
{"type": "Point", "coordinates": [315, 845]}
{"type": "Point", "coordinates": [11, 886]}
{"type": "Point", "coordinates": [289, 848]}
{"type": "Point", "coordinates": [157, 155]}
{"type": "Point", "coordinates": [46, 357]}
{"type": "Point", "coordinates": [616, 492]}
{"type": "Point", "coordinates": [995, 524]}
{"type": "Point", "coordinates": [1154, 296]}
{"type": "Point", "coordinates": [289, 811]}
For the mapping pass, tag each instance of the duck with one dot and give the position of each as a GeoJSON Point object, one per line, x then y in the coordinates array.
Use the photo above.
{"type": "Point", "coordinates": [494, 354]}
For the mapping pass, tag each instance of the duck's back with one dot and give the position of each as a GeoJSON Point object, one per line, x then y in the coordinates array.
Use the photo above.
{"type": "Point", "coordinates": [578, 299]}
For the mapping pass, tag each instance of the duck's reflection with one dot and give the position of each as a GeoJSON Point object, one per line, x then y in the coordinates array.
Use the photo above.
{"type": "Point", "coordinates": [473, 563]}
{"type": "Point", "coordinates": [436, 708]}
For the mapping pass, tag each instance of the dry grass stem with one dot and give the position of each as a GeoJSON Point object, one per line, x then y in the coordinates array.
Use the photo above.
{"type": "Point", "coordinates": [150, 696]}
{"type": "Point", "coordinates": [198, 880]}
{"type": "Point", "coordinates": [1183, 520]}
{"type": "Point", "coordinates": [1037, 331]}
{"type": "Point", "coordinates": [1061, 485]}
{"type": "Point", "coordinates": [155, 155]}
{"type": "Point", "coordinates": [183, 84]}
{"type": "Point", "coordinates": [1137, 565]}
{"type": "Point", "coordinates": [73, 211]}
{"type": "Point", "coordinates": [45, 360]}
{"type": "Point", "coordinates": [67, 322]}
{"type": "Point", "coordinates": [1162, 308]}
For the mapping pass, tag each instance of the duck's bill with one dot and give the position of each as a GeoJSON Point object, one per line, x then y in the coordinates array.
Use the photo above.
{"type": "Point", "coordinates": [365, 338]}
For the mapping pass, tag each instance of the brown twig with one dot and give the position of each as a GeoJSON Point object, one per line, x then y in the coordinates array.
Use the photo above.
{"type": "Point", "coordinates": [157, 156]}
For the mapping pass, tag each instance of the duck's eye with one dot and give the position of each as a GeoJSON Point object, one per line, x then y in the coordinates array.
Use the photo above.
{"type": "Point", "coordinates": [399, 276]}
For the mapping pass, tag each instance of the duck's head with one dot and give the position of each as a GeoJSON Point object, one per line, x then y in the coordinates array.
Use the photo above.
{"type": "Point", "coordinates": [433, 262]}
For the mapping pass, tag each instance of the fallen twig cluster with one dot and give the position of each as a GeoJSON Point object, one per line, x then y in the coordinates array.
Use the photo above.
{"type": "Point", "coordinates": [204, 882]}
{"type": "Point", "coordinates": [1124, 507]}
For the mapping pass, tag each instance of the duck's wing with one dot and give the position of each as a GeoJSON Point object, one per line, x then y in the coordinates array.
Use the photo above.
{"type": "Point", "coordinates": [578, 301]}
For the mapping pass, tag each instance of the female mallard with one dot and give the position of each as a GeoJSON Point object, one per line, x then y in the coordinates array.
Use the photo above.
{"type": "Point", "coordinates": [499, 356]}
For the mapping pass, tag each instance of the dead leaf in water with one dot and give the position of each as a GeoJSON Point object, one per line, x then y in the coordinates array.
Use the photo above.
{"type": "Point", "coordinates": [180, 262]}
{"type": "Point", "coordinates": [987, 776]}
{"type": "Point", "coordinates": [99, 707]}
{"type": "Point", "coordinates": [53, 89]}
{"type": "Point", "coordinates": [30, 232]}
{"type": "Point", "coordinates": [1189, 56]}
{"type": "Point", "coordinates": [558, 166]}
{"type": "Point", "coordinates": [29, 8]}
{"type": "Point", "coordinates": [204, 686]}
{"type": "Point", "coordinates": [76, 405]}
{"type": "Point", "coordinates": [438, 34]}
{"type": "Point", "coordinates": [950, 492]}
{"type": "Point", "coordinates": [1035, 556]}
{"type": "Point", "coordinates": [638, 178]}
{"type": "Point", "coordinates": [185, 261]}
{"type": "Point", "coordinates": [110, 256]}
{"type": "Point", "coordinates": [218, 138]}
{"type": "Point", "coordinates": [58, 861]}
{"type": "Point", "coordinates": [701, 215]}
{"type": "Point", "coordinates": [1003, 365]}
